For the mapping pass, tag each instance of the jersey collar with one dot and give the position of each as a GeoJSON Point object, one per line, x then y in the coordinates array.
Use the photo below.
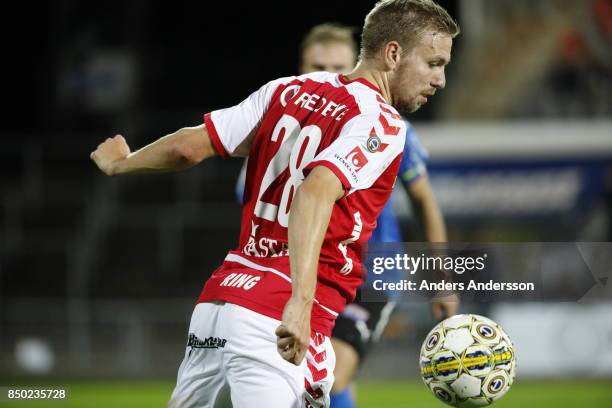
{"type": "Point", "coordinates": [343, 79]}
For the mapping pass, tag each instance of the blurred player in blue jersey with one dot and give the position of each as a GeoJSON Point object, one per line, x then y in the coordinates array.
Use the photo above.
{"type": "Point", "coordinates": [332, 48]}
{"type": "Point", "coordinates": [362, 323]}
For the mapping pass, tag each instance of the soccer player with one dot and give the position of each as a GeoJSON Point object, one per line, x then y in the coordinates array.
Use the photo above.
{"type": "Point", "coordinates": [332, 48]}
{"type": "Point", "coordinates": [326, 47]}
{"type": "Point", "coordinates": [324, 151]}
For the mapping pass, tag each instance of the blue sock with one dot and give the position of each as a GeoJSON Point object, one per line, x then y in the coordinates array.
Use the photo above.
{"type": "Point", "coordinates": [342, 399]}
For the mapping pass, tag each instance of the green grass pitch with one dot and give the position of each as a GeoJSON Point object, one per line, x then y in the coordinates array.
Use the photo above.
{"type": "Point", "coordinates": [396, 394]}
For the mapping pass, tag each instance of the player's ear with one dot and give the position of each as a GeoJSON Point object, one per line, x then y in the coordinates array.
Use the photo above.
{"type": "Point", "coordinates": [391, 54]}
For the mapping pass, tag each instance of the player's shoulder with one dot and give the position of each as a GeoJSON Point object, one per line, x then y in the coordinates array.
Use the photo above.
{"type": "Point", "coordinates": [372, 105]}
{"type": "Point", "coordinates": [377, 115]}
{"type": "Point", "coordinates": [379, 128]}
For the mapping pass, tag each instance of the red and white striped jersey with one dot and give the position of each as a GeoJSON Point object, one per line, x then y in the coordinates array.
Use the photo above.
{"type": "Point", "coordinates": [288, 127]}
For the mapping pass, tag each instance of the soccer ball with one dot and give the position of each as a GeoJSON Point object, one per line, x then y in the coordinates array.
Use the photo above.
{"type": "Point", "coordinates": [468, 361]}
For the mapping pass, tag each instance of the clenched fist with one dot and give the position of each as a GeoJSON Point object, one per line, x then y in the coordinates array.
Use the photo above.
{"type": "Point", "coordinates": [293, 334]}
{"type": "Point", "coordinates": [109, 152]}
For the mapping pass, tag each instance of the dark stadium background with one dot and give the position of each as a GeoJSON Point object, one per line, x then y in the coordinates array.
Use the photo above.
{"type": "Point", "coordinates": [98, 276]}
{"type": "Point", "coordinates": [188, 54]}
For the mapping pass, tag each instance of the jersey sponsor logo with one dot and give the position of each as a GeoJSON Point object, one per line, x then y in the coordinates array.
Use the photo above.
{"type": "Point", "coordinates": [373, 144]}
{"type": "Point", "coordinates": [209, 342]}
{"type": "Point", "coordinates": [357, 158]}
{"type": "Point", "coordinates": [381, 146]}
{"type": "Point", "coordinates": [346, 166]}
{"type": "Point", "coordinates": [245, 281]}
{"type": "Point", "coordinates": [264, 247]}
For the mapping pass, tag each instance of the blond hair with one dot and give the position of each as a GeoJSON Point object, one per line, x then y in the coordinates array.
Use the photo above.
{"type": "Point", "coordinates": [329, 33]}
{"type": "Point", "coordinates": [403, 21]}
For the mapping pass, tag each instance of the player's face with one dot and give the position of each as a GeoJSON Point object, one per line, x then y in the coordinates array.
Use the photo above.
{"type": "Point", "coordinates": [420, 72]}
{"type": "Point", "coordinates": [334, 57]}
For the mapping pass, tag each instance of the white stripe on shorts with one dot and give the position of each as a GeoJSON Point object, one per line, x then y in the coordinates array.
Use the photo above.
{"type": "Point", "coordinates": [257, 267]}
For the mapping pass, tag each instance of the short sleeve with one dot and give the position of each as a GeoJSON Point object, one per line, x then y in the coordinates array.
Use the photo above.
{"type": "Point", "coordinates": [413, 164]}
{"type": "Point", "coordinates": [229, 128]}
{"type": "Point", "coordinates": [366, 146]}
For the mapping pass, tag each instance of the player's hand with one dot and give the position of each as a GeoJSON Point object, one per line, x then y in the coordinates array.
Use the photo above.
{"type": "Point", "coordinates": [109, 152]}
{"type": "Point", "coordinates": [444, 305]}
{"type": "Point", "coordinates": [293, 335]}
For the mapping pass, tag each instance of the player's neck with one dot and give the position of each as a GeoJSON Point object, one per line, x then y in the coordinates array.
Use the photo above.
{"type": "Point", "coordinates": [375, 76]}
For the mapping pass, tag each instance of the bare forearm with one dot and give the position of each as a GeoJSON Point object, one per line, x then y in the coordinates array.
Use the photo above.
{"type": "Point", "coordinates": [433, 222]}
{"type": "Point", "coordinates": [427, 209]}
{"type": "Point", "coordinates": [310, 214]}
{"type": "Point", "coordinates": [177, 151]}
{"type": "Point", "coordinates": [308, 222]}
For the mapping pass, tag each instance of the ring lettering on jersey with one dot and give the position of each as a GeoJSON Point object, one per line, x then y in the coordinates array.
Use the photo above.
{"type": "Point", "coordinates": [303, 145]}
